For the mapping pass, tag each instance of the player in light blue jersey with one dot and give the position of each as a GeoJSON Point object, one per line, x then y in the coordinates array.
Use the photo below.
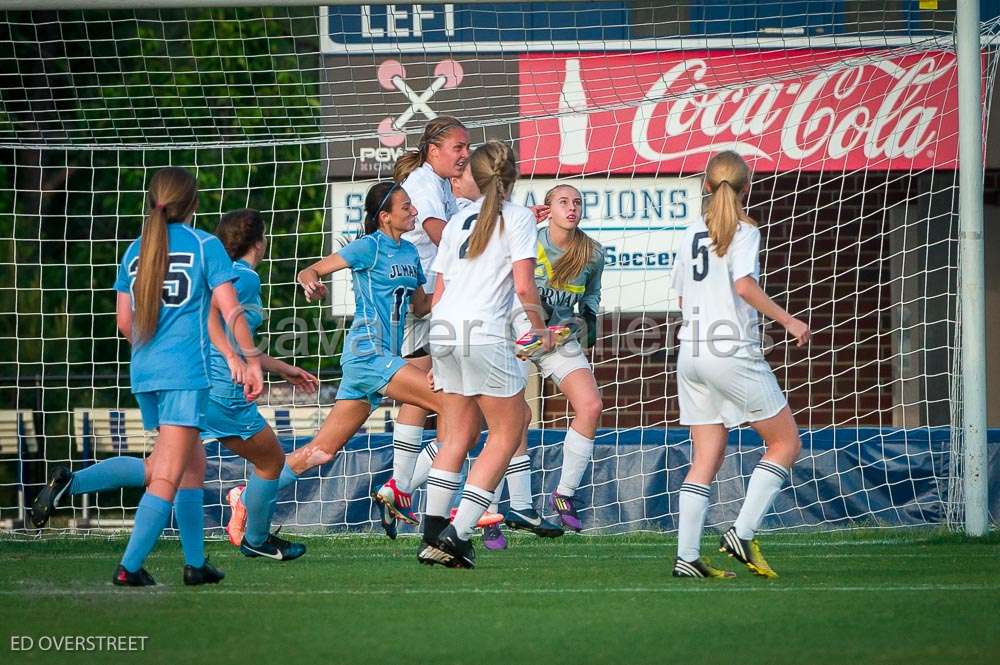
{"type": "Point", "coordinates": [235, 421]}
{"type": "Point", "coordinates": [229, 417]}
{"type": "Point", "coordinates": [386, 275]}
{"type": "Point", "coordinates": [168, 281]}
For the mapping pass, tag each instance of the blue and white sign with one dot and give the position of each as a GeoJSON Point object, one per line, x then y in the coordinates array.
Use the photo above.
{"type": "Point", "coordinates": [477, 28]}
{"type": "Point", "coordinates": [639, 221]}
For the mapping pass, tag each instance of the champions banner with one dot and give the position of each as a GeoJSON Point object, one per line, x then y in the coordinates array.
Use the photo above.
{"type": "Point", "coordinates": [638, 221]}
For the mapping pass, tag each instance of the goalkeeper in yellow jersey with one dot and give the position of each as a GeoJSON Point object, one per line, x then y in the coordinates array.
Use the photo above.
{"type": "Point", "coordinates": [568, 274]}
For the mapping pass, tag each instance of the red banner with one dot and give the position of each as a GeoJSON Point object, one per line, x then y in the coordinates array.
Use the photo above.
{"type": "Point", "coordinates": [812, 110]}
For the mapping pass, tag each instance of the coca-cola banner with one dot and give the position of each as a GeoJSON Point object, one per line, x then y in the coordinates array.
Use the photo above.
{"type": "Point", "coordinates": [638, 221]}
{"type": "Point", "coordinates": [668, 112]}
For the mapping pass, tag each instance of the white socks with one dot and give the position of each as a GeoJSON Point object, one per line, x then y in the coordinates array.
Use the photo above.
{"type": "Point", "coordinates": [577, 451]}
{"type": "Point", "coordinates": [423, 465]}
{"type": "Point", "coordinates": [497, 495]}
{"type": "Point", "coordinates": [406, 440]}
{"type": "Point", "coordinates": [691, 520]}
{"type": "Point", "coordinates": [765, 483]}
{"type": "Point", "coordinates": [441, 488]}
{"type": "Point", "coordinates": [518, 478]}
{"type": "Point", "coordinates": [475, 500]}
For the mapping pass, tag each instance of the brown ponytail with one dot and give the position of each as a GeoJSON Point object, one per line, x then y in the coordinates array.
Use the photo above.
{"type": "Point", "coordinates": [726, 178]}
{"type": "Point", "coordinates": [494, 168]}
{"type": "Point", "coordinates": [434, 133]}
{"type": "Point", "coordinates": [581, 249]}
{"type": "Point", "coordinates": [172, 197]}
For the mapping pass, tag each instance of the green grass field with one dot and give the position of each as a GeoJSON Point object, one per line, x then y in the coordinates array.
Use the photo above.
{"type": "Point", "coordinates": [848, 597]}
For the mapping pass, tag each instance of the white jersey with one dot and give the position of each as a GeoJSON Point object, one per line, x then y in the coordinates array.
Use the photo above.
{"type": "Point", "coordinates": [712, 309]}
{"type": "Point", "coordinates": [479, 295]}
{"type": "Point", "coordinates": [431, 195]}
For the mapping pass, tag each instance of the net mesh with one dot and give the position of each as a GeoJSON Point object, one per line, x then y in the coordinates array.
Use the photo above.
{"type": "Point", "coordinates": [848, 118]}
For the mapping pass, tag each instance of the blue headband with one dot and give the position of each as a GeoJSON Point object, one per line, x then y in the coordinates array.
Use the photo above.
{"type": "Point", "coordinates": [386, 198]}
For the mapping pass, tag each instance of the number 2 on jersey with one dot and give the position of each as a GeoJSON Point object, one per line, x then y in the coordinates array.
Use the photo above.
{"type": "Point", "coordinates": [465, 227]}
{"type": "Point", "coordinates": [699, 252]}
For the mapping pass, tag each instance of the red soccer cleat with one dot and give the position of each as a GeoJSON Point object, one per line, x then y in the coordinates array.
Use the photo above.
{"type": "Point", "coordinates": [238, 521]}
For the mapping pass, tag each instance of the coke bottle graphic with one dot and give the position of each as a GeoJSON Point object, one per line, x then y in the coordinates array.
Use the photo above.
{"type": "Point", "coordinates": [573, 117]}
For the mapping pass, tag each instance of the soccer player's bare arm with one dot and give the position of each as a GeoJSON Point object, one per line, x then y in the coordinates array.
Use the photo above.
{"type": "Point", "coordinates": [217, 334]}
{"type": "Point", "coordinates": [421, 302]}
{"type": "Point", "coordinates": [747, 288]}
{"type": "Point", "coordinates": [527, 294]}
{"type": "Point", "coordinates": [434, 227]}
{"type": "Point", "coordinates": [123, 315]}
{"type": "Point", "coordinates": [438, 291]}
{"type": "Point", "coordinates": [309, 279]}
{"type": "Point", "coordinates": [296, 376]}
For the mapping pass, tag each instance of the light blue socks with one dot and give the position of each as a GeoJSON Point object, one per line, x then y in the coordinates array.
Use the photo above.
{"type": "Point", "coordinates": [260, 499]}
{"type": "Point", "coordinates": [151, 519]}
{"type": "Point", "coordinates": [110, 474]}
{"type": "Point", "coordinates": [189, 513]}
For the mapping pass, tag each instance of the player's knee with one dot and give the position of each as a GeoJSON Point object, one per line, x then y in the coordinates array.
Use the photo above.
{"type": "Point", "coordinates": [591, 408]}
{"type": "Point", "coordinates": [165, 488]}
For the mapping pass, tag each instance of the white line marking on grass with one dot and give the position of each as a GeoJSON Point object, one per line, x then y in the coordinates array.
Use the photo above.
{"type": "Point", "coordinates": [704, 587]}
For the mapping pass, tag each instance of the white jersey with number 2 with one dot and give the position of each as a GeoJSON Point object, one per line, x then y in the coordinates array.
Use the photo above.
{"type": "Point", "coordinates": [479, 296]}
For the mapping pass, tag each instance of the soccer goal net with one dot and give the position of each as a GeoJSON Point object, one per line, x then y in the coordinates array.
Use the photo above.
{"type": "Point", "coordinates": [847, 112]}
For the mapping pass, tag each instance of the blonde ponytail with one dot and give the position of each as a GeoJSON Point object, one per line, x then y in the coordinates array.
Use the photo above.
{"type": "Point", "coordinates": [494, 168]}
{"type": "Point", "coordinates": [172, 196]}
{"type": "Point", "coordinates": [726, 176]}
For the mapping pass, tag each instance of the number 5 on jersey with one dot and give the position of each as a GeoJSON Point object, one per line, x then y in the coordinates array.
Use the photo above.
{"type": "Point", "coordinates": [176, 283]}
{"type": "Point", "coordinates": [699, 252]}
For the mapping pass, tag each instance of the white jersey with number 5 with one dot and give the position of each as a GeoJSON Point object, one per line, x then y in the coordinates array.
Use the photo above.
{"type": "Point", "coordinates": [711, 308]}
{"type": "Point", "coordinates": [480, 291]}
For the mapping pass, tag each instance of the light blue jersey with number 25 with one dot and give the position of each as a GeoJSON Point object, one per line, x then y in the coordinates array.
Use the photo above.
{"type": "Point", "coordinates": [177, 356]}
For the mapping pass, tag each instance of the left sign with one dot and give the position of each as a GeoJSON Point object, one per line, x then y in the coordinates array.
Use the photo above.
{"type": "Point", "coordinates": [472, 28]}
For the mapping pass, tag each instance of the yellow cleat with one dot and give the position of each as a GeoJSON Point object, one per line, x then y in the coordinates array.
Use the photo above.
{"type": "Point", "coordinates": [747, 552]}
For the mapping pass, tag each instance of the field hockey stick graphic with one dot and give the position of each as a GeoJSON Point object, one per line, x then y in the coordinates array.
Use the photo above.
{"type": "Point", "coordinates": [392, 76]}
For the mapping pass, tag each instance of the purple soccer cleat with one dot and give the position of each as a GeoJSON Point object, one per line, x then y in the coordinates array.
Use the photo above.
{"type": "Point", "coordinates": [493, 538]}
{"type": "Point", "coordinates": [563, 505]}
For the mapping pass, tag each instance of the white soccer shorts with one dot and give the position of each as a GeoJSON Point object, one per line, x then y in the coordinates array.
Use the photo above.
{"type": "Point", "coordinates": [730, 390]}
{"type": "Point", "coordinates": [479, 369]}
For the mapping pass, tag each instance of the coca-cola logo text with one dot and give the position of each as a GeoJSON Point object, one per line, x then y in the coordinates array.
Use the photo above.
{"type": "Point", "coordinates": [670, 112]}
